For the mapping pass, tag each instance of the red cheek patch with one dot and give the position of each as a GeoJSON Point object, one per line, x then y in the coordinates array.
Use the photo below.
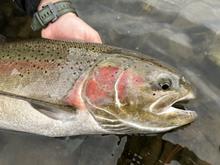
{"type": "Point", "coordinates": [99, 88]}
{"type": "Point", "coordinates": [102, 83]}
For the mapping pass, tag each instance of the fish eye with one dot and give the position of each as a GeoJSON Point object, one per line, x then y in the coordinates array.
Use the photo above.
{"type": "Point", "coordinates": [165, 84]}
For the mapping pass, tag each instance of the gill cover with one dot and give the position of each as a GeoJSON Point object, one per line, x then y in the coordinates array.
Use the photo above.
{"type": "Point", "coordinates": [114, 92]}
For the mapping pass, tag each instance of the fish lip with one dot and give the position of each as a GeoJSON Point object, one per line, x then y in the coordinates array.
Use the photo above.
{"type": "Point", "coordinates": [153, 108]}
{"type": "Point", "coordinates": [190, 96]}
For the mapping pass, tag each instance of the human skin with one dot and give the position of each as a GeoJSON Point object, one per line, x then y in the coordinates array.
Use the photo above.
{"type": "Point", "coordinates": [69, 27]}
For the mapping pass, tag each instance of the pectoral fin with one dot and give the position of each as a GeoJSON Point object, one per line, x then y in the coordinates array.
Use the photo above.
{"type": "Point", "coordinates": [54, 111]}
{"type": "Point", "coordinates": [57, 112]}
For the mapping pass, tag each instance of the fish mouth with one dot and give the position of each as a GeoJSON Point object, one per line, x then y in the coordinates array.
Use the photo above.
{"type": "Point", "coordinates": [179, 108]}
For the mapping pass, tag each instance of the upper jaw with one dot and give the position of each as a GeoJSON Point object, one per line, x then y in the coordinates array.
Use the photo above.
{"type": "Point", "coordinates": [190, 115]}
{"type": "Point", "coordinates": [189, 96]}
{"type": "Point", "coordinates": [167, 101]}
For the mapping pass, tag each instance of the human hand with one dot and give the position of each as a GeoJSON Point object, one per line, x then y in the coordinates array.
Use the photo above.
{"type": "Point", "coordinates": [69, 27]}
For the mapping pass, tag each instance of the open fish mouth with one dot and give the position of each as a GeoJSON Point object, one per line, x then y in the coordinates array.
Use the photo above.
{"type": "Point", "coordinates": [178, 106]}
{"type": "Point", "coordinates": [186, 116]}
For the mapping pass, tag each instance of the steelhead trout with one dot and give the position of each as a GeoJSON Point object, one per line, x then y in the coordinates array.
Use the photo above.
{"type": "Point", "coordinates": [57, 88]}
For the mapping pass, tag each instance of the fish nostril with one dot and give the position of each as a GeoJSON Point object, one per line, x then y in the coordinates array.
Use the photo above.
{"type": "Point", "coordinates": [184, 82]}
{"type": "Point", "coordinates": [183, 79]}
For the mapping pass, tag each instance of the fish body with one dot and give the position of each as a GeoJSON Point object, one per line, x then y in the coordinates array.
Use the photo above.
{"type": "Point", "coordinates": [57, 88]}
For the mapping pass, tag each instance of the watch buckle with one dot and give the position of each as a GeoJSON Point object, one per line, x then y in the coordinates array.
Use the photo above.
{"type": "Point", "coordinates": [53, 10]}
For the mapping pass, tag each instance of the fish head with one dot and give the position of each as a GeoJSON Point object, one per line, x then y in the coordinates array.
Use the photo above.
{"type": "Point", "coordinates": [135, 95]}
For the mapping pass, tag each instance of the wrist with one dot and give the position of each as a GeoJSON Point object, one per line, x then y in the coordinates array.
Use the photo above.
{"type": "Point", "coordinates": [53, 31]}
{"type": "Point", "coordinates": [49, 11]}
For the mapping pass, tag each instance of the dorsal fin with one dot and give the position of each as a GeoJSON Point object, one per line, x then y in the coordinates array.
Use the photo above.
{"type": "Point", "coordinates": [54, 111]}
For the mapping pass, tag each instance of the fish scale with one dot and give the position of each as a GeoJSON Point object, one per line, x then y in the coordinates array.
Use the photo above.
{"type": "Point", "coordinates": [55, 65]}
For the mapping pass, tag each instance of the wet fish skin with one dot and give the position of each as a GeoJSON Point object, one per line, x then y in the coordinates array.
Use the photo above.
{"type": "Point", "coordinates": [43, 83]}
{"type": "Point", "coordinates": [44, 61]}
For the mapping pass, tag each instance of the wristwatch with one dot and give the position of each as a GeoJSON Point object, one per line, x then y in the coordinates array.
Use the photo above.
{"type": "Point", "coordinates": [50, 13]}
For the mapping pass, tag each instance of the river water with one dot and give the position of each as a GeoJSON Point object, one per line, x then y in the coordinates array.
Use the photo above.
{"type": "Point", "coordinates": [183, 33]}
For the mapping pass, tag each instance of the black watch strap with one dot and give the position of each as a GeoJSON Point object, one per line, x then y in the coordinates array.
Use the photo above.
{"type": "Point", "coordinates": [50, 13]}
